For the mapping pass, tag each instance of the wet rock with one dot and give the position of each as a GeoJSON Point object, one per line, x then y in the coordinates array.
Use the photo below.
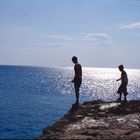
{"type": "Point", "coordinates": [98, 120]}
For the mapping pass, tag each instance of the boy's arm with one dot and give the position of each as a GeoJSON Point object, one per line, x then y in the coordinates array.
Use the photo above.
{"type": "Point", "coordinates": [74, 73]}
{"type": "Point", "coordinates": [72, 80]}
{"type": "Point", "coordinates": [118, 79]}
{"type": "Point", "coordinates": [121, 76]}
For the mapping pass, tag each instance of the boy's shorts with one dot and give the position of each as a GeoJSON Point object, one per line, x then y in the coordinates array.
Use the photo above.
{"type": "Point", "coordinates": [123, 89]}
{"type": "Point", "coordinates": [77, 83]}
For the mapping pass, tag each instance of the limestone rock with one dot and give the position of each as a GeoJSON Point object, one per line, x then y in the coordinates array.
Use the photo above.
{"type": "Point", "coordinates": [98, 120]}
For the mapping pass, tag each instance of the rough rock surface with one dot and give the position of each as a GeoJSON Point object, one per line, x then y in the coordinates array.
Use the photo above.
{"type": "Point", "coordinates": [98, 120]}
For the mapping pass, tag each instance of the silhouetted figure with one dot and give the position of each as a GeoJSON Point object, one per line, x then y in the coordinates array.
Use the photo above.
{"type": "Point", "coordinates": [124, 82]}
{"type": "Point", "coordinates": [77, 77]}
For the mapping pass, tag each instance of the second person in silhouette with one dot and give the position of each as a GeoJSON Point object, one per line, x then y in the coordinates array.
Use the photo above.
{"type": "Point", "coordinates": [124, 82]}
{"type": "Point", "coordinates": [77, 77]}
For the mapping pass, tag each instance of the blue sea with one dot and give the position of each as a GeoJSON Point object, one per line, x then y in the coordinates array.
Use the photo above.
{"type": "Point", "coordinates": [32, 98]}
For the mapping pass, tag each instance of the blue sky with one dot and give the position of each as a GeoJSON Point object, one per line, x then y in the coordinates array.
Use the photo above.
{"type": "Point", "coordinates": [101, 33]}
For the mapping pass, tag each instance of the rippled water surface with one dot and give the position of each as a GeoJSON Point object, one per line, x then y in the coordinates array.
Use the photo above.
{"type": "Point", "coordinates": [32, 98]}
{"type": "Point", "coordinates": [100, 83]}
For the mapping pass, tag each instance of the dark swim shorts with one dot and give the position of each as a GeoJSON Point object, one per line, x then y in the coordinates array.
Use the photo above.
{"type": "Point", "coordinates": [77, 82]}
{"type": "Point", "coordinates": [123, 89]}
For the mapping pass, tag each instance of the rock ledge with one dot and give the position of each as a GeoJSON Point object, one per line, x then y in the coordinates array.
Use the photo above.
{"type": "Point", "coordinates": [98, 120]}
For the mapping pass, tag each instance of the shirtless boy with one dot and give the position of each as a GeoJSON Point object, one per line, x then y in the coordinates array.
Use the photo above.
{"type": "Point", "coordinates": [77, 77]}
{"type": "Point", "coordinates": [124, 82]}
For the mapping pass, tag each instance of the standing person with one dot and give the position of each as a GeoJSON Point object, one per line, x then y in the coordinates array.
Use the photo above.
{"type": "Point", "coordinates": [77, 77]}
{"type": "Point", "coordinates": [124, 82]}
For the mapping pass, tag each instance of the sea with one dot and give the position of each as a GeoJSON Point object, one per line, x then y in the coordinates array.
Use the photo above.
{"type": "Point", "coordinates": [32, 98]}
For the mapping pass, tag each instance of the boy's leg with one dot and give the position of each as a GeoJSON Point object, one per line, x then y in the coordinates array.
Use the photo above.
{"type": "Point", "coordinates": [120, 96]}
{"type": "Point", "coordinates": [120, 92]}
{"type": "Point", "coordinates": [77, 88]}
{"type": "Point", "coordinates": [76, 92]}
{"type": "Point", "coordinates": [125, 91]}
{"type": "Point", "coordinates": [77, 95]}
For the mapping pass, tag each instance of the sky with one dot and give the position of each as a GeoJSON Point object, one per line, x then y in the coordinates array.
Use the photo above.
{"type": "Point", "coordinates": [101, 33]}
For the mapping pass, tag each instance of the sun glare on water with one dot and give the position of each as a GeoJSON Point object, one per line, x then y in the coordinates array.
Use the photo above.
{"type": "Point", "coordinates": [100, 83]}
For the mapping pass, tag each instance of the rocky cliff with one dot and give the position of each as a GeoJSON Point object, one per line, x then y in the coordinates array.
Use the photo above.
{"type": "Point", "coordinates": [98, 120]}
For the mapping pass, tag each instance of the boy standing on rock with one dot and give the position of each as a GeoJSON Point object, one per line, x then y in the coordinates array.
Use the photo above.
{"type": "Point", "coordinates": [77, 77]}
{"type": "Point", "coordinates": [124, 82]}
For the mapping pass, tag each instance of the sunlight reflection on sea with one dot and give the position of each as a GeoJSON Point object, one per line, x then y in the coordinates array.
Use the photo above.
{"type": "Point", "coordinates": [100, 83]}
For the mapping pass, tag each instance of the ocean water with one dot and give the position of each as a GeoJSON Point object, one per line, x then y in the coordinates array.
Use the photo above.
{"type": "Point", "coordinates": [32, 98]}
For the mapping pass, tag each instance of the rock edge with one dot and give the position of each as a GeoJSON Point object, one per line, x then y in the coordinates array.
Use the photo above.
{"type": "Point", "coordinates": [98, 120]}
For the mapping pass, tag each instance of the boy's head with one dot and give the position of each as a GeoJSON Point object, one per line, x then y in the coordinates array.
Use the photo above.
{"type": "Point", "coordinates": [74, 59]}
{"type": "Point", "coordinates": [121, 67]}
